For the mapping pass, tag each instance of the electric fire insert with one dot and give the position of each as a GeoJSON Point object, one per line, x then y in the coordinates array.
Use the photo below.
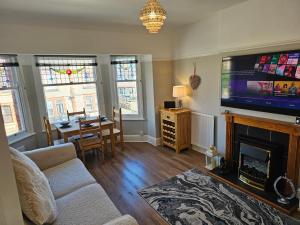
{"type": "Point", "coordinates": [257, 161]}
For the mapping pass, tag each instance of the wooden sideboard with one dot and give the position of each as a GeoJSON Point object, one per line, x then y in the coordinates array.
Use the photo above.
{"type": "Point", "coordinates": [176, 128]}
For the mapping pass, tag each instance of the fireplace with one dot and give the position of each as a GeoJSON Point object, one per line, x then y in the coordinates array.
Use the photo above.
{"type": "Point", "coordinates": [258, 150]}
{"type": "Point", "coordinates": [257, 160]}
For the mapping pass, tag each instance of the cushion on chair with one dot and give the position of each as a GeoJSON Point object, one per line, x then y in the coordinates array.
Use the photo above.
{"type": "Point", "coordinates": [106, 132]}
{"type": "Point", "coordinates": [77, 137]}
{"type": "Point", "coordinates": [88, 205]}
{"type": "Point", "coordinates": [36, 199]}
{"type": "Point", "coordinates": [70, 139]}
{"type": "Point", "coordinates": [68, 177]}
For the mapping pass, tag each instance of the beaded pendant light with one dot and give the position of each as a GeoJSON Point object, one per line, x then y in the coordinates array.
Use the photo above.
{"type": "Point", "coordinates": [153, 16]}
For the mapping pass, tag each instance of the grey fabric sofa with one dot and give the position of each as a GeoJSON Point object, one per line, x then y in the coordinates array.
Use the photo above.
{"type": "Point", "coordinates": [80, 199]}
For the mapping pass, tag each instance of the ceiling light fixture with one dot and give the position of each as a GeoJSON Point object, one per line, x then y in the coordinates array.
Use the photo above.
{"type": "Point", "coordinates": [153, 16]}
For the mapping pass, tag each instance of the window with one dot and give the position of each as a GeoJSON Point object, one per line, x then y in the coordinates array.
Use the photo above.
{"type": "Point", "coordinates": [60, 109]}
{"type": "Point", "coordinates": [10, 100]}
{"type": "Point", "coordinates": [67, 81]}
{"type": "Point", "coordinates": [127, 81]}
{"type": "Point", "coordinates": [50, 108]}
{"type": "Point", "coordinates": [89, 103]}
{"type": "Point", "coordinates": [7, 114]}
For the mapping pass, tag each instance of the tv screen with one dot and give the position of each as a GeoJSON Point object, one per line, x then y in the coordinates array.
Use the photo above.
{"type": "Point", "coordinates": [264, 82]}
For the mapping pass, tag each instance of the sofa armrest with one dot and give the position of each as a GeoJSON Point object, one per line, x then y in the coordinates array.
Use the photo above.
{"type": "Point", "coordinates": [123, 220]}
{"type": "Point", "coordinates": [52, 156]}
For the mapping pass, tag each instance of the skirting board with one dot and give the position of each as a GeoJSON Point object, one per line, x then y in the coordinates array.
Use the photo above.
{"type": "Point", "coordinates": [199, 149]}
{"type": "Point", "coordinates": [142, 138]}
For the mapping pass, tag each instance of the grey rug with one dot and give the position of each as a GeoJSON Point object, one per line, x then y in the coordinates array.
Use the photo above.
{"type": "Point", "coordinates": [194, 198]}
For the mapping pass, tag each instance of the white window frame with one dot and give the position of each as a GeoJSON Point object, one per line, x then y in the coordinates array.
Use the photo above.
{"type": "Point", "coordinates": [139, 86]}
{"type": "Point", "coordinates": [42, 104]}
{"type": "Point", "coordinates": [24, 107]}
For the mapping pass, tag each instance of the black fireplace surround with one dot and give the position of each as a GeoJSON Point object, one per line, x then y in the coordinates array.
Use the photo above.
{"type": "Point", "coordinates": [257, 162]}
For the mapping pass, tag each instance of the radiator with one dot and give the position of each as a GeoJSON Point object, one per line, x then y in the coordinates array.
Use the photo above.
{"type": "Point", "coordinates": [202, 130]}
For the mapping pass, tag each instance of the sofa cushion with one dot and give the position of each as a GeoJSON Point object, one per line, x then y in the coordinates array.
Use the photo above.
{"type": "Point", "coordinates": [123, 220]}
{"type": "Point", "coordinates": [68, 177]}
{"type": "Point", "coordinates": [36, 199]}
{"type": "Point", "coordinates": [88, 205]}
{"type": "Point", "coordinates": [51, 156]}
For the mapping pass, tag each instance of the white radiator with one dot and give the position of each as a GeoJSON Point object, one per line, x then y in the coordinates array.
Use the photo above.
{"type": "Point", "coordinates": [202, 130]}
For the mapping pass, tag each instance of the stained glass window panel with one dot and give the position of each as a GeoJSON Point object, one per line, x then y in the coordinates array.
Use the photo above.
{"type": "Point", "coordinates": [8, 67]}
{"type": "Point", "coordinates": [125, 67]}
{"type": "Point", "coordinates": [126, 72]}
{"type": "Point", "coordinates": [66, 70]}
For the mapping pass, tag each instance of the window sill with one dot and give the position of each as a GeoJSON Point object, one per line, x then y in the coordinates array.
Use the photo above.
{"type": "Point", "coordinates": [133, 119]}
{"type": "Point", "coordinates": [20, 137]}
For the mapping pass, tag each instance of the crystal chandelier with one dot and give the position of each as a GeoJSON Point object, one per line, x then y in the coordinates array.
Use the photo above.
{"type": "Point", "coordinates": [153, 16]}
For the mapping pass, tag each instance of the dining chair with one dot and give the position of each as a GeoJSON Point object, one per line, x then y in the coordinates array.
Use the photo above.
{"type": "Point", "coordinates": [71, 114]}
{"type": "Point", "coordinates": [90, 127]}
{"type": "Point", "coordinates": [48, 129]}
{"type": "Point", "coordinates": [118, 128]}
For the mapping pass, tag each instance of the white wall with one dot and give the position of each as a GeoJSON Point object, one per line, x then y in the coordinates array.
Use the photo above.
{"type": "Point", "coordinates": [248, 25]}
{"type": "Point", "coordinates": [10, 210]}
{"type": "Point", "coordinates": [259, 23]}
{"type": "Point", "coordinates": [59, 40]}
{"type": "Point", "coordinates": [251, 27]}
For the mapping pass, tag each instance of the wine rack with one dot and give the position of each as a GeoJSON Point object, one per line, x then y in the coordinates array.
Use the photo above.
{"type": "Point", "coordinates": [176, 128]}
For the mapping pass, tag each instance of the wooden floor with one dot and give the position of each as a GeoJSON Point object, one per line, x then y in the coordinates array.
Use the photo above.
{"type": "Point", "coordinates": [139, 165]}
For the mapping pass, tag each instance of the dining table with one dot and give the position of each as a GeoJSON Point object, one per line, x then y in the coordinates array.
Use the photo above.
{"type": "Point", "coordinates": [65, 132]}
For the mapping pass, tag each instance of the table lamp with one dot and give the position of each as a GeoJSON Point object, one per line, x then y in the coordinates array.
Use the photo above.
{"type": "Point", "coordinates": [179, 92]}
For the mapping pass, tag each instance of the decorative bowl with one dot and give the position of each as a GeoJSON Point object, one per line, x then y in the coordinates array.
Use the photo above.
{"type": "Point", "coordinates": [65, 123]}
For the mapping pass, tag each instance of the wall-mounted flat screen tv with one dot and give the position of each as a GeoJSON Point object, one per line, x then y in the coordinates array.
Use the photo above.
{"type": "Point", "coordinates": [267, 82]}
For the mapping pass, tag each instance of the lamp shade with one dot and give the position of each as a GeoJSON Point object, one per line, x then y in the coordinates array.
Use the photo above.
{"type": "Point", "coordinates": [179, 91]}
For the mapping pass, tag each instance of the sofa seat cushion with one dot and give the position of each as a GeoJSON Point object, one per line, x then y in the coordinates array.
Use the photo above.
{"type": "Point", "coordinates": [123, 220]}
{"type": "Point", "coordinates": [68, 177]}
{"type": "Point", "coordinates": [88, 205]}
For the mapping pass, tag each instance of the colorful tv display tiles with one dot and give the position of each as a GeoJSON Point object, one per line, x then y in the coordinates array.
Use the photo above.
{"type": "Point", "coordinates": [279, 64]}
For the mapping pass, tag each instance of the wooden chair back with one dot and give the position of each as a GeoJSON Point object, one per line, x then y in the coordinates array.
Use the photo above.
{"type": "Point", "coordinates": [70, 114]}
{"type": "Point", "coordinates": [117, 119]}
{"type": "Point", "coordinates": [48, 131]}
{"type": "Point", "coordinates": [88, 127]}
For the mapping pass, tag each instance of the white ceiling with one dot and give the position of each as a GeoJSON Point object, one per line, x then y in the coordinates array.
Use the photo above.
{"type": "Point", "coordinates": [96, 12]}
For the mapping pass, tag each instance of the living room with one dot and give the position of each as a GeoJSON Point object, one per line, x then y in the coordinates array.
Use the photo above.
{"type": "Point", "coordinates": [44, 41]}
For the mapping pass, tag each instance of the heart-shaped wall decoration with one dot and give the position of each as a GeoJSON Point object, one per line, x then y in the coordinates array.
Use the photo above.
{"type": "Point", "coordinates": [195, 80]}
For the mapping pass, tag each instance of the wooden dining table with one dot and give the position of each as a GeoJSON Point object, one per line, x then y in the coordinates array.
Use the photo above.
{"type": "Point", "coordinates": [73, 129]}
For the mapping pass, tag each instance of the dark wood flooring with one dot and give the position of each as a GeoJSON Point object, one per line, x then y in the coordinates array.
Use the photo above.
{"type": "Point", "coordinates": [139, 165]}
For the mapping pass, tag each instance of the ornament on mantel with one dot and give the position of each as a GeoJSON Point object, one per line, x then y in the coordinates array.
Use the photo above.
{"type": "Point", "coordinates": [195, 80]}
